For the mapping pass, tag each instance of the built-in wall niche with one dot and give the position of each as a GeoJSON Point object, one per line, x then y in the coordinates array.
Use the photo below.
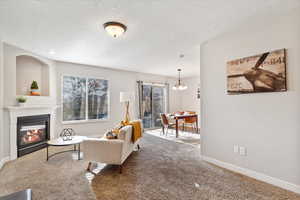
{"type": "Point", "coordinates": [28, 69]}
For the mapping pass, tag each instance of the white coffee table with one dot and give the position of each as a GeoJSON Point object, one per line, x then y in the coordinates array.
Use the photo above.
{"type": "Point", "coordinates": [59, 142]}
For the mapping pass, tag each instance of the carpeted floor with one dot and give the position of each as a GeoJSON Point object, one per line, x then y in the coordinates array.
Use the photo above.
{"type": "Point", "coordinates": [185, 137]}
{"type": "Point", "coordinates": [161, 170]}
{"type": "Point", "coordinates": [60, 178]}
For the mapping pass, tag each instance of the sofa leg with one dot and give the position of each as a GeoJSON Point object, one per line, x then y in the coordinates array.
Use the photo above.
{"type": "Point", "coordinates": [120, 169]}
{"type": "Point", "coordinates": [90, 170]}
{"type": "Point", "coordinates": [89, 167]}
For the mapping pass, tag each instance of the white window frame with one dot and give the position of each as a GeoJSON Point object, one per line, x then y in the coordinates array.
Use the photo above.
{"type": "Point", "coordinates": [86, 120]}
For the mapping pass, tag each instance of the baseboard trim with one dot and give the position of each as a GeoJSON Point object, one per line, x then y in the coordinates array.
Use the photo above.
{"type": "Point", "coordinates": [253, 174]}
{"type": "Point", "coordinates": [3, 161]}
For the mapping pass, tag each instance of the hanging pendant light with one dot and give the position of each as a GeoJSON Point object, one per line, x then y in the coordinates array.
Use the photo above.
{"type": "Point", "coordinates": [179, 85]}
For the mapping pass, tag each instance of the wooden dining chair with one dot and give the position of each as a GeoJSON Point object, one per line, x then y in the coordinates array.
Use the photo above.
{"type": "Point", "coordinates": [191, 121]}
{"type": "Point", "coordinates": [165, 123]}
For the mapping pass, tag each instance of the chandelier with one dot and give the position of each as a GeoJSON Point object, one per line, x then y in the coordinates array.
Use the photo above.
{"type": "Point", "coordinates": [179, 85]}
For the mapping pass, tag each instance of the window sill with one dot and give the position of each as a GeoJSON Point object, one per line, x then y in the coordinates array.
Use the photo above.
{"type": "Point", "coordinates": [85, 121]}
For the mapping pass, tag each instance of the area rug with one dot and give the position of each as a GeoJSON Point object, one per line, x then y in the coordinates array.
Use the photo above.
{"type": "Point", "coordinates": [185, 137]}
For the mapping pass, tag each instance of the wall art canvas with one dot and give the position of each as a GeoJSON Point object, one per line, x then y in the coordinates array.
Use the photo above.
{"type": "Point", "coordinates": [261, 73]}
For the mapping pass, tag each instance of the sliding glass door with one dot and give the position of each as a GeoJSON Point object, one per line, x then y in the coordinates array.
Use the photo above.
{"type": "Point", "coordinates": [147, 105]}
{"type": "Point", "coordinates": [158, 105]}
{"type": "Point", "coordinates": [154, 102]}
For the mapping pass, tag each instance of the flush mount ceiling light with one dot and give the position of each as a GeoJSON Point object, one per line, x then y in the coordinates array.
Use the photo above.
{"type": "Point", "coordinates": [179, 85]}
{"type": "Point", "coordinates": [115, 29]}
{"type": "Point", "coordinates": [51, 52]}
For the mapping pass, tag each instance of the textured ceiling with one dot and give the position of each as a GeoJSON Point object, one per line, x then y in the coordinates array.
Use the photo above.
{"type": "Point", "coordinates": [158, 30]}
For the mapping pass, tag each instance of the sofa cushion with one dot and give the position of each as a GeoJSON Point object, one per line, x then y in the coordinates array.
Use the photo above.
{"type": "Point", "coordinates": [125, 133]}
{"type": "Point", "coordinates": [121, 134]}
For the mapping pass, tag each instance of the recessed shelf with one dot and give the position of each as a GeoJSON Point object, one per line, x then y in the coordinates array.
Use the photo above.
{"type": "Point", "coordinates": [28, 69]}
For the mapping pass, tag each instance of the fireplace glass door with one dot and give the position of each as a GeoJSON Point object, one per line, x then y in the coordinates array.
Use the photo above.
{"type": "Point", "coordinates": [32, 134]}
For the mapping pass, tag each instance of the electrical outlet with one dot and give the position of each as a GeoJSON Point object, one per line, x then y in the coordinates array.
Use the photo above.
{"type": "Point", "coordinates": [235, 148]}
{"type": "Point", "coordinates": [243, 151]}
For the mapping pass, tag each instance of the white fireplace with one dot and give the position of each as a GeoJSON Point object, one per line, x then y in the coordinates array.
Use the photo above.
{"type": "Point", "coordinates": [16, 111]}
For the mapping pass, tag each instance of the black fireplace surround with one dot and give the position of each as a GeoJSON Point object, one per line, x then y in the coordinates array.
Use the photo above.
{"type": "Point", "coordinates": [33, 132]}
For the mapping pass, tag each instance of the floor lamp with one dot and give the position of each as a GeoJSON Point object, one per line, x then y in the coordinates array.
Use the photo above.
{"type": "Point", "coordinates": [125, 97]}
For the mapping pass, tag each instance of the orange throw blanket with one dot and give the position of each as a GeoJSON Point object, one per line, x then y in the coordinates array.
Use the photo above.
{"type": "Point", "coordinates": [137, 129]}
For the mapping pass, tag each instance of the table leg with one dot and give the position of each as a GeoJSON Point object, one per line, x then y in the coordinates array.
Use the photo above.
{"type": "Point", "coordinates": [74, 147]}
{"type": "Point", "coordinates": [47, 152]}
{"type": "Point", "coordinates": [176, 128]}
{"type": "Point", "coordinates": [197, 124]}
{"type": "Point", "coordinates": [79, 151]}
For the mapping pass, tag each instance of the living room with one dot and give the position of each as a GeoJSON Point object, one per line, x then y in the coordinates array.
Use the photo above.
{"type": "Point", "coordinates": [95, 72]}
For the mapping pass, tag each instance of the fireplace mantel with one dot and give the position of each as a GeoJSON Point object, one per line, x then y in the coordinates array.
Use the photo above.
{"type": "Point", "coordinates": [18, 111]}
{"type": "Point", "coordinates": [29, 107]}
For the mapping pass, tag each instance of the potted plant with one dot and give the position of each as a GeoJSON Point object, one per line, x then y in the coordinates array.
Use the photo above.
{"type": "Point", "coordinates": [21, 100]}
{"type": "Point", "coordinates": [34, 89]}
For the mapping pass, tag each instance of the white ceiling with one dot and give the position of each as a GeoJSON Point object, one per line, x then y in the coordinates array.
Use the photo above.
{"type": "Point", "coordinates": [158, 30]}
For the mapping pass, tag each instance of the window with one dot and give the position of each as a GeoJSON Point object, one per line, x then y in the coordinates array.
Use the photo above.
{"type": "Point", "coordinates": [85, 99]}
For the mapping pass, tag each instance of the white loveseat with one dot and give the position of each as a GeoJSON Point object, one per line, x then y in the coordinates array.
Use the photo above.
{"type": "Point", "coordinates": [110, 151]}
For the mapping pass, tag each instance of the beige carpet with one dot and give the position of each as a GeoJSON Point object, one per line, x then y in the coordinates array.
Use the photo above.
{"type": "Point", "coordinates": [161, 170]}
{"type": "Point", "coordinates": [185, 137]}
{"type": "Point", "coordinates": [60, 178]}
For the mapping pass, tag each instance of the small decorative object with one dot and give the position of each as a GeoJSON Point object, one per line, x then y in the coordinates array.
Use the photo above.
{"type": "Point", "coordinates": [34, 89]}
{"type": "Point", "coordinates": [261, 73]}
{"type": "Point", "coordinates": [67, 134]}
{"type": "Point", "coordinates": [111, 135]}
{"type": "Point", "coordinates": [198, 93]}
{"type": "Point", "coordinates": [21, 101]}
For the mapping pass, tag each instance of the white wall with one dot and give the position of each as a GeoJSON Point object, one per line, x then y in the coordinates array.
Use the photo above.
{"type": "Point", "coordinates": [268, 124]}
{"type": "Point", "coordinates": [1, 104]}
{"type": "Point", "coordinates": [188, 97]}
{"type": "Point", "coordinates": [10, 66]}
{"type": "Point", "coordinates": [118, 81]}
{"type": "Point", "coordinates": [9, 85]}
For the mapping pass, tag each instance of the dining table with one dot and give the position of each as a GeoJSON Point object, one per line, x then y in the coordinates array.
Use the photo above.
{"type": "Point", "coordinates": [178, 117]}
